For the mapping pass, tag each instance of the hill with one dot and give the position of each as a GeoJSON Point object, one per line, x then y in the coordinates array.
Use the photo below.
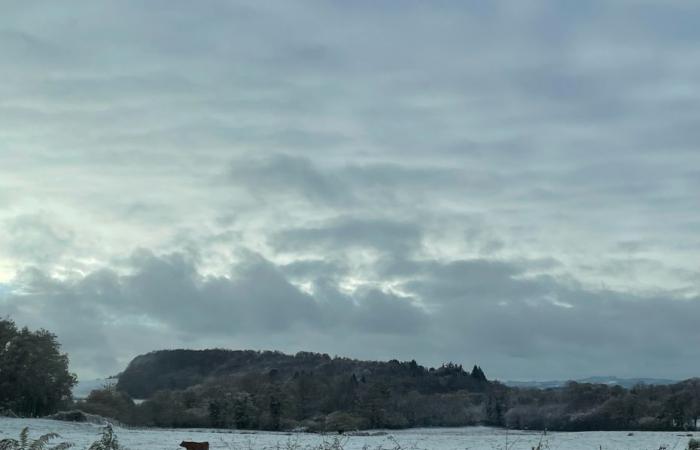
{"type": "Point", "coordinates": [182, 369]}
{"type": "Point", "coordinates": [273, 390]}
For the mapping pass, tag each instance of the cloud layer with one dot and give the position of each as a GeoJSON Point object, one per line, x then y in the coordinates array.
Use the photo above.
{"type": "Point", "coordinates": [512, 183]}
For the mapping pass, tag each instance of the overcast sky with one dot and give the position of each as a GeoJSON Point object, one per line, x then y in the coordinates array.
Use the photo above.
{"type": "Point", "coordinates": [509, 183]}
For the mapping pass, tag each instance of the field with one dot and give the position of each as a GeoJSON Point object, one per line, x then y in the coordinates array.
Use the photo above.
{"type": "Point", "coordinates": [473, 438]}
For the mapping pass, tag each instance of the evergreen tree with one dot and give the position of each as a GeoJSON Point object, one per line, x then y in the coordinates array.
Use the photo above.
{"type": "Point", "coordinates": [478, 374]}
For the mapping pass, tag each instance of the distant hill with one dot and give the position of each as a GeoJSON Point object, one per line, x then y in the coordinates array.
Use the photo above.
{"type": "Point", "coordinates": [607, 380]}
{"type": "Point", "coordinates": [181, 369]}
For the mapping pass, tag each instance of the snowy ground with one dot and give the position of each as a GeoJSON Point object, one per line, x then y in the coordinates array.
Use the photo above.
{"type": "Point", "coordinates": [473, 438]}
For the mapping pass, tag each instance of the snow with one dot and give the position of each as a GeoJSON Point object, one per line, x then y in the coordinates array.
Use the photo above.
{"type": "Point", "coordinates": [472, 438]}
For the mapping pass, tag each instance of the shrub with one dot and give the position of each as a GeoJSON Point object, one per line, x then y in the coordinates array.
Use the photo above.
{"type": "Point", "coordinates": [41, 443]}
{"type": "Point", "coordinates": [108, 441]}
{"type": "Point", "coordinates": [343, 421]}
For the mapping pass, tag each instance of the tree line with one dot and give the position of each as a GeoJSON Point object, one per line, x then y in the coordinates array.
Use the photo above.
{"type": "Point", "coordinates": [317, 402]}
{"type": "Point", "coordinates": [274, 391]}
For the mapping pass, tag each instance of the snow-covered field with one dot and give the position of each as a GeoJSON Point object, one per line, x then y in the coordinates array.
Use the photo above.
{"type": "Point", "coordinates": [473, 438]}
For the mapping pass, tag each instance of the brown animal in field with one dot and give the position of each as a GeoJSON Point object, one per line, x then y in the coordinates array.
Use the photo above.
{"type": "Point", "coordinates": [195, 445]}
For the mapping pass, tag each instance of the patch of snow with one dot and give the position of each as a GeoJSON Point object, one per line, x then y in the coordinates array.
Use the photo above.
{"type": "Point", "coordinates": [470, 438]}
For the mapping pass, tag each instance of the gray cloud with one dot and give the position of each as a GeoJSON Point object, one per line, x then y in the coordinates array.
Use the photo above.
{"type": "Point", "coordinates": [471, 310]}
{"type": "Point", "coordinates": [347, 233]}
{"type": "Point", "coordinates": [166, 295]}
{"type": "Point", "coordinates": [507, 182]}
{"type": "Point", "coordinates": [36, 238]}
{"type": "Point", "coordinates": [284, 175]}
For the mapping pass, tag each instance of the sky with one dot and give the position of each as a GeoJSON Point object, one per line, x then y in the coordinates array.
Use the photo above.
{"type": "Point", "coordinates": [514, 184]}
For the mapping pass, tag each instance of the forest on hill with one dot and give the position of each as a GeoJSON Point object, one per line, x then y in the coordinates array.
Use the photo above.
{"type": "Point", "coordinates": [310, 391]}
{"type": "Point", "coordinates": [271, 390]}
